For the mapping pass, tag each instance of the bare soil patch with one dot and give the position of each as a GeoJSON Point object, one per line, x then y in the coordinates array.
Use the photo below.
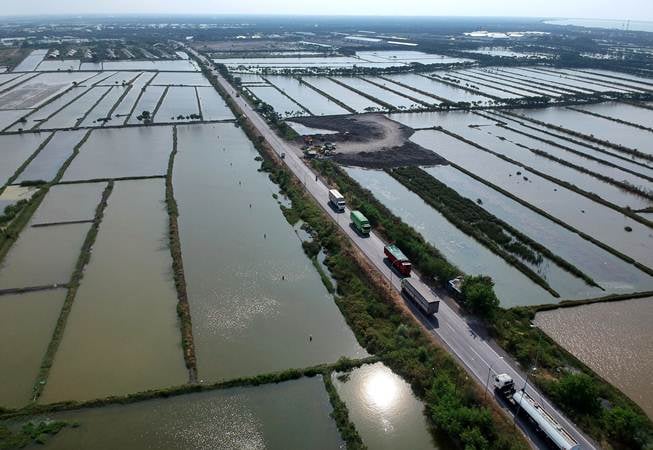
{"type": "Point", "coordinates": [371, 140]}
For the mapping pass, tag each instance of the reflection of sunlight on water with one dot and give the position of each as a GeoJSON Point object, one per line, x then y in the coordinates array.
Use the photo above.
{"type": "Point", "coordinates": [381, 390]}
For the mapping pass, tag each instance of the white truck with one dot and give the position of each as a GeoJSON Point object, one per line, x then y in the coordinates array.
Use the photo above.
{"type": "Point", "coordinates": [337, 200]}
{"type": "Point", "coordinates": [522, 403]}
{"type": "Point", "coordinates": [419, 294]}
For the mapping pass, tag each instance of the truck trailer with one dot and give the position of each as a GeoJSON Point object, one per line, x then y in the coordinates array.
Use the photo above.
{"type": "Point", "coordinates": [427, 301]}
{"type": "Point", "coordinates": [397, 259]}
{"type": "Point", "coordinates": [360, 222]}
{"type": "Point", "coordinates": [522, 403]}
{"type": "Point", "coordinates": [337, 200]}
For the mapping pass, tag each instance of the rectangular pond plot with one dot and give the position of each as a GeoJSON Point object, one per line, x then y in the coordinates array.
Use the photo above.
{"type": "Point", "coordinates": [7, 77]}
{"type": "Point", "coordinates": [309, 61]}
{"type": "Point", "coordinates": [122, 335]}
{"type": "Point", "coordinates": [380, 93]}
{"type": "Point", "coordinates": [563, 81]}
{"type": "Point", "coordinates": [100, 114]}
{"type": "Point", "coordinates": [462, 250]}
{"type": "Point", "coordinates": [178, 105]}
{"type": "Point", "coordinates": [604, 129]}
{"type": "Point", "coordinates": [54, 65]}
{"type": "Point", "coordinates": [125, 107]}
{"type": "Point", "coordinates": [43, 114]}
{"type": "Point", "coordinates": [31, 61]}
{"type": "Point", "coordinates": [15, 150]}
{"type": "Point", "coordinates": [637, 165]}
{"type": "Point", "coordinates": [598, 84]}
{"type": "Point", "coordinates": [281, 104]}
{"type": "Point", "coordinates": [43, 256]}
{"type": "Point", "coordinates": [148, 102]}
{"type": "Point", "coordinates": [499, 74]}
{"type": "Point", "coordinates": [27, 322]}
{"type": "Point", "coordinates": [180, 79]}
{"type": "Point", "coordinates": [495, 79]}
{"type": "Point", "coordinates": [507, 143]}
{"type": "Point", "coordinates": [604, 224]}
{"type": "Point", "coordinates": [178, 65]}
{"type": "Point", "coordinates": [456, 121]}
{"type": "Point", "coordinates": [121, 153]}
{"type": "Point", "coordinates": [290, 415]}
{"type": "Point", "coordinates": [403, 90]}
{"type": "Point", "coordinates": [49, 160]}
{"type": "Point", "coordinates": [613, 339]}
{"type": "Point", "coordinates": [609, 271]}
{"type": "Point", "coordinates": [10, 116]}
{"type": "Point", "coordinates": [476, 86]}
{"type": "Point", "coordinates": [342, 94]}
{"type": "Point", "coordinates": [120, 78]}
{"type": "Point", "coordinates": [622, 111]}
{"type": "Point", "coordinates": [18, 78]}
{"type": "Point", "coordinates": [441, 90]}
{"type": "Point", "coordinates": [212, 105]}
{"type": "Point", "coordinates": [620, 79]}
{"type": "Point", "coordinates": [383, 408]}
{"type": "Point", "coordinates": [255, 298]}
{"type": "Point", "coordinates": [316, 103]}
{"type": "Point", "coordinates": [75, 112]}
{"type": "Point", "coordinates": [69, 203]}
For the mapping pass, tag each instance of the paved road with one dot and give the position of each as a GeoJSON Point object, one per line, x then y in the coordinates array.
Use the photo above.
{"type": "Point", "coordinates": [476, 354]}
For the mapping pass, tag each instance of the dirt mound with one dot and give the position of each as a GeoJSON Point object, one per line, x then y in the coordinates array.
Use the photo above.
{"type": "Point", "coordinates": [409, 154]}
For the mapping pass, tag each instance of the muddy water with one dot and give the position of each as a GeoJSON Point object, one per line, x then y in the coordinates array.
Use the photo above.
{"type": "Point", "coordinates": [147, 102]}
{"type": "Point", "coordinates": [124, 108]}
{"type": "Point", "coordinates": [614, 339]}
{"type": "Point", "coordinates": [612, 273]}
{"type": "Point", "coordinates": [26, 325]}
{"type": "Point", "coordinates": [43, 256]}
{"type": "Point", "coordinates": [622, 111]}
{"type": "Point", "coordinates": [69, 202]}
{"type": "Point", "coordinates": [598, 221]}
{"type": "Point", "coordinates": [47, 163]}
{"type": "Point", "coordinates": [127, 152]}
{"type": "Point", "coordinates": [122, 334]}
{"type": "Point", "coordinates": [255, 297]}
{"type": "Point", "coordinates": [512, 287]}
{"type": "Point", "coordinates": [384, 409]}
{"type": "Point", "coordinates": [15, 151]}
{"type": "Point", "coordinates": [104, 106]}
{"type": "Point", "coordinates": [180, 100]}
{"type": "Point", "coordinates": [71, 114]}
{"type": "Point", "coordinates": [292, 415]}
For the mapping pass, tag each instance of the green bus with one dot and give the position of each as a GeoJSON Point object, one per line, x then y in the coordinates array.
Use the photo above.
{"type": "Point", "coordinates": [360, 222]}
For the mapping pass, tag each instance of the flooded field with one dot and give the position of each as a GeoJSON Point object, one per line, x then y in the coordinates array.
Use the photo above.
{"type": "Point", "coordinates": [384, 409]}
{"type": "Point", "coordinates": [69, 203]}
{"type": "Point", "coordinates": [344, 95]}
{"type": "Point", "coordinates": [610, 272]}
{"type": "Point", "coordinates": [125, 107]}
{"type": "Point", "coordinates": [47, 163]}
{"type": "Point", "coordinates": [10, 116]}
{"type": "Point", "coordinates": [177, 65]}
{"type": "Point", "coordinates": [43, 256]}
{"type": "Point", "coordinates": [379, 93]}
{"type": "Point", "coordinates": [255, 298]}
{"type": "Point", "coordinates": [31, 61]}
{"type": "Point", "coordinates": [148, 102]}
{"type": "Point", "coordinates": [483, 87]}
{"type": "Point", "coordinates": [27, 322]}
{"type": "Point", "coordinates": [622, 111]}
{"type": "Point", "coordinates": [58, 64]}
{"type": "Point", "coordinates": [15, 151]}
{"type": "Point", "coordinates": [179, 101]}
{"type": "Point", "coordinates": [316, 103]}
{"type": "Point", "coordinates": [604, 224]}
{"type": "Point", "coordinates": [294, 414]}
{"type": "Point", "coordinates": [125, 306]}
{"type": "Point", "coordinates": [74, 113]}
{"type": "Point", "coordinates": [403, 90]}
{"type": "Point", "coordinates": [39, 89]}
{"type": "Point", "coordinates": [613, 339]}
{"type": "Point", "coordinates": [436, 88]}
{"type": "Point", "coordinates": [281, 104]}
{"type": "Point", "coordinates": [47, 111]}
{"type": "Point", "coordinates": [604, 129]}
{"type": "Point", "coordinates": [104, 107]}
{"type": "Point", "coordinates": [180, 79]}
{"type": "Point", "coordinates": [119, 153]}
{"type": "Point", "coordinates": [512, 287]}
{"type": "Point", "coordinates": [212, 105]}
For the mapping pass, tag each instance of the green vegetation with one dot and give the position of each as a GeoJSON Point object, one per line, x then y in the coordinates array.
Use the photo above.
{"type": "Point", "coordinates": [183, 307]}
{"type": "Point", "coordinates": [340, 414]}
{"type": "Point", "coordinates": [30, 433]}
{"type": "Point", "coordinates": [498, 236]}
{"type": "Point", "coordinates": [599, 408]}
{"type": "Point", "coordinates": [11, 211]}
{"type": "Point", "coordinates": [479, 297]}
{"type": "Point", "coordinates": [426, 258]}
{"type": "Point", "coordinates": [375, 313]}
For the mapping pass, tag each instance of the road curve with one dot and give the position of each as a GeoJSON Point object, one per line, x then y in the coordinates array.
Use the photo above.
{"type": "Point", "coordinates": [476, 354]}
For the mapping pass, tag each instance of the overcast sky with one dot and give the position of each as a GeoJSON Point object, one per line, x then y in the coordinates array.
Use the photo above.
{"type": "Point", "coordinates": [603, 9]}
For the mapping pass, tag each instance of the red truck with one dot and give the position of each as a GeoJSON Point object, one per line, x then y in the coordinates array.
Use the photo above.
{"type": "Point", "coordinates": [397, 259]}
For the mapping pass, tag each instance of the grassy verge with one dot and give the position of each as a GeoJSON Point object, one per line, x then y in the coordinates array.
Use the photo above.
{"type": "Point", "coordinates": [30, 433]}
{"type": "Point", "coordinates": [183, 307]}
{"type": "Point", "coordinates": [73, 286]}
{"type": "Point", "coordinates": [599, 408]}
{"type": "Point", "coordinates": [426, 258]}
{"type": "Point", "coordinates": [498, 236]}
